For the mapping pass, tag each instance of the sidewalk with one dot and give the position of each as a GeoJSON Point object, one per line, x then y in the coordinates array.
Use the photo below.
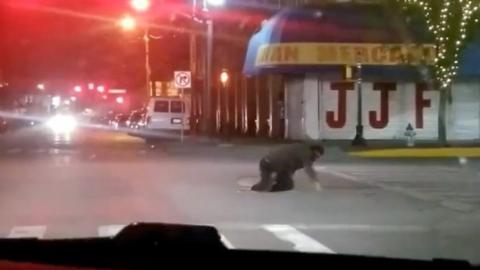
{"type": "Point", "coordinates": [422, 149]}
{"type": "Point", "coordinates": [378, 148]}
{"type": "Point", "coordinates": [343, 149]}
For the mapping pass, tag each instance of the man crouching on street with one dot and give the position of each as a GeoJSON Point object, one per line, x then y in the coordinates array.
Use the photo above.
{"type": "Point", "coordinates": [284, 162]}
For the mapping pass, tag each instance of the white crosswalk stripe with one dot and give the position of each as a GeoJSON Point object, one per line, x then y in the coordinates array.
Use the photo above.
{"type": "Point", "coordinates": [110, 230]}
{"type": "Point", "coordinates": [301, 241]}
{"type": "Point", "coordinates": [226, 242]}
{"type": "Point", "coordinates": [27, 232]}
{"type": "Point", "coordinates": [281, 233]}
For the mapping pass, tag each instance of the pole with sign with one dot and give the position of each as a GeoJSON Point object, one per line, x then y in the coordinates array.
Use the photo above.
{"type": "Point", "coordinates": [183, 79]}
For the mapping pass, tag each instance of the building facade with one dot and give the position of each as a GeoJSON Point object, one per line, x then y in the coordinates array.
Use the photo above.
{"type": "Point", "coordinates": [320, 102]}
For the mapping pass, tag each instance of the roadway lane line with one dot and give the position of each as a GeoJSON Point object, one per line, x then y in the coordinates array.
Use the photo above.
{"type": "Point", "coordinates": [27, 232]}
{"type": "Point", "coordinates": [301, 241]}
{"type": "Point", "coordinates": [336, 173]}
{"type": "Point", "coordinates": [110, 230]}
{"type": "Point", "coordinates": [40, 151]}
{"type": "Point", "coordinates": [226, 242]}
{"type": "Point", "coordinates": [14, 150]}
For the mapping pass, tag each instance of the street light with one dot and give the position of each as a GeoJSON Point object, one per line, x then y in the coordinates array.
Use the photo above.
{"type": "Point", "coordinates": [224, 78]}
{"type": "Point", "coordinates": [41, 86]}
{"type": "Point", "coordinates": [140, 5]}
{"type": "Point", "coordinates": [359, 140]}
{"type": "Point", "coordinates": [128, 23]}
{"type": "Point", "coordinates": [216, 3]}
{"type": "Point", "coordinates": [207, 93]}
{"type": "Point", "coordinates": [101, 88]}
{"type": "Point", "coordinates": [77, 89]}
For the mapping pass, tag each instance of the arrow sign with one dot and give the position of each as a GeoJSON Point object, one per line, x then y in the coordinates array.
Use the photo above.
{"type": "Point", "coordinates": [183, 79]}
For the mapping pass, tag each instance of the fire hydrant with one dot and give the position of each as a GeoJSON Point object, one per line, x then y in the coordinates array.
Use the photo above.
{"type": "Point", "coordinates": [410, 134]}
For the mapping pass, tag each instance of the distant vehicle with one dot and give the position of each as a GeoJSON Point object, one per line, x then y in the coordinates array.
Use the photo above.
{"type": "Point", "coordinates": [3, 125]}
{"type": "Point", "coordinates": [167, 114]}
{"type": "Point", "coordinates": [137, 119]}
{"type": "Point", "coordinates": [120, 121]}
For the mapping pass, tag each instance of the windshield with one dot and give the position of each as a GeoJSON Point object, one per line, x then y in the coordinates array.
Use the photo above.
{"type": "Point", "coordinates": [343, 127]}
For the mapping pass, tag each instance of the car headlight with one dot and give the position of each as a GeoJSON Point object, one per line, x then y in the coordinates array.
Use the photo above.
{"type": "Point", "coordinates": [62, 123]}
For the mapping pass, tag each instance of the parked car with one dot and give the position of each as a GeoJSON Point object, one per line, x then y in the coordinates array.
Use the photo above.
{"type": "Point", "coordinates": [120, 121]}
{"type": "Point", "coordinates": [137, 119]}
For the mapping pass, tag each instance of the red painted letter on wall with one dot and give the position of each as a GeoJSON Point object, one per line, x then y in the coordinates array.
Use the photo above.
{"type": "Point", "coordinates": [342, 88]}
{"type": "Point", "coordinates": [382, 121]}
{"type": "Point", "coordinates": [420, 104]}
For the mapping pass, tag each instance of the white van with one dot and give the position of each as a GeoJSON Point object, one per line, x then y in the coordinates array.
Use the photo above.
{"type": "Point", "coordinates": [167, 114]}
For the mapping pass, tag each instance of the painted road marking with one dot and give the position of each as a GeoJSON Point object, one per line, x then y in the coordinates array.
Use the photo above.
{"type": "Point", "coordinates": [425, 196]}
{"type": "Point", "coordinates": [27, 232]}
{"type": "Point", "coordinates": [301, 241]}
{"type": "Point", "coordinates": [110, 230]}
{"type": "Point", "coordinates": [14, 150]}
{"type": "Point", "coordinates": [335, 173]}
{"type": "Point", "coordinates": [226, 242]}
{"type": "Point", "coordinates": [391, 228]}
{"type": "Point", "coordinates": [225, 145]}
{"type": "Point", "coordinates": [459, 206]}
{"type": "Point", "coordinates": [246, 183]}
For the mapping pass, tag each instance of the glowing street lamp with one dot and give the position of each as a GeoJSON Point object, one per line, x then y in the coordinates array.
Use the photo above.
{"type": "Point", "coordinates": [120, 100]}
{"type": "Point", "coordinates": [128, 23]}
{"type": "Point", "coordinates": [140, 5]}
{"type": "Point", "coordinates": [91, 86]}
{"type": "Point", "coordinates": [41, 86]}
{"type": "Point", "coordinates": [77, 89]}
{"type": "Point", "coordinates": [101, 89]}
{"type": "Point", "coordinates": [216, 3]}
{"type": "Point", "coordinates": [224, 77]}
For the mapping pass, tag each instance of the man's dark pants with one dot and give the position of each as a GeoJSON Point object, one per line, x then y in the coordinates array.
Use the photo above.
{"type": "Point", "coordinates": [282, 182]}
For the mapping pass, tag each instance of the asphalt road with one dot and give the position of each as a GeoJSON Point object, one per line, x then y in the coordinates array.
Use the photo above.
{"type": "Point", "coordinates": [104, 180]}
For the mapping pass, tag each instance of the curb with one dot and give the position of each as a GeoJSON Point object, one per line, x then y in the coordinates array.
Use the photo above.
{"type": "Point", "coordinates": [453, 152]}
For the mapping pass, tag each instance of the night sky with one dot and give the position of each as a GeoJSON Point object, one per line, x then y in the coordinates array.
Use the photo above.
{"type": "Point", "coordinates": [66, 42]}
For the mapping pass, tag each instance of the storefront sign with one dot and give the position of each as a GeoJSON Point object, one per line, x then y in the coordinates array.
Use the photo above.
{"type": "Point", "coordinates": [345, 54]}
{"type": "Point", "coordinates": [377, 119]}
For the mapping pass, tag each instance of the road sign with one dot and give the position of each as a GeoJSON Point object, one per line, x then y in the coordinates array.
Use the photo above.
{"type": "Point", "coordinates": [183, 79]}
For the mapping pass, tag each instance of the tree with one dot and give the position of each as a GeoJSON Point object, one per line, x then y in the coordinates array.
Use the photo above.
{"type": "Point", "coordinates": [452, 23]}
